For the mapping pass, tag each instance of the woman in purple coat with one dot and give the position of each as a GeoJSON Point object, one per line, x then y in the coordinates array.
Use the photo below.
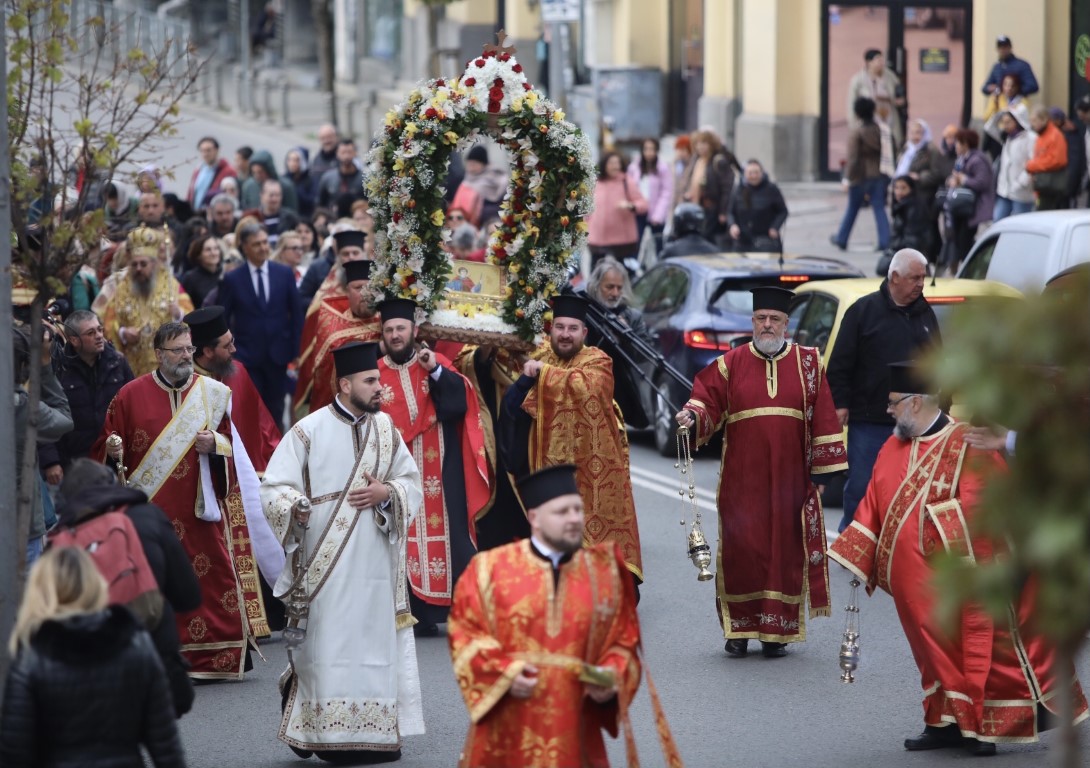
{"type": "Point", "coordinates": [972, 170]}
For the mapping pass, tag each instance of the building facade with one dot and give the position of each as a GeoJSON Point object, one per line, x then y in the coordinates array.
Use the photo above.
{"type": "Point", "coordinates": [771, 76]}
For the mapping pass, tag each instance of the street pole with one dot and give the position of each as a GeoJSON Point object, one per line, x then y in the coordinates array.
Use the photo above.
{"type": "Point", "coordinates": [9, 544]}
{"type": "Point", "coordinates": [244, 56]}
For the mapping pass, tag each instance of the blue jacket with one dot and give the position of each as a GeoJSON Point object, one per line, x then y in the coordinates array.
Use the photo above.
{"type": "Point", "coordinates": [1015, 66]}
{"type": "Point", "coordinates": [265, 336]}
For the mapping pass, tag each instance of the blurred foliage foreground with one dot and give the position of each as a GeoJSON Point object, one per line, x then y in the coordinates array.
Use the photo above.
{"type": "Point", "coordinates": [1025, 366]}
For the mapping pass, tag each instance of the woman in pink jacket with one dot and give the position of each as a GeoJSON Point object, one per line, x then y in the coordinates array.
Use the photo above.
{"type": "Point", "coordinates": [617, 203]}
{"type": "Point", "coordinates": [655, 180]}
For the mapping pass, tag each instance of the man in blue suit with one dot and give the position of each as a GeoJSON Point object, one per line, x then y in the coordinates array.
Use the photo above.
{"type": "Point", "coordinates": [262, 307]}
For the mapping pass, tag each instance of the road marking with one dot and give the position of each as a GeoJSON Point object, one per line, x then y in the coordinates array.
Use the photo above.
{"type": "Point", "coordinates": [671, 482]}
{"type": "Point", "coordinates": [705, 500]}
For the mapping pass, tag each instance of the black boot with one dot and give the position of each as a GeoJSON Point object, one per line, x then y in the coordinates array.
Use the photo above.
{"type": "Point", "coordinates": [773, 650]}
{"type": "Point", "coordinates": [934, 737]}
{"type": "Point", "coordinates": [978, 748]}
{"type": "Point", "coordinates": [736, 649]}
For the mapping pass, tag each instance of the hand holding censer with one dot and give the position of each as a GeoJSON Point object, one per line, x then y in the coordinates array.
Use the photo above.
{"type": "Point", "coordinates": [699, 551]}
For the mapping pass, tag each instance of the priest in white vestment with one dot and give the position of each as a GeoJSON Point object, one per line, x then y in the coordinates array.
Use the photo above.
{"type": "Point", "coordinates": [352, 689]}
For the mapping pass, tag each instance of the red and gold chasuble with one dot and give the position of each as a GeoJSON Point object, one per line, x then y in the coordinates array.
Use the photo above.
{"type": "Point", "coordinates": [251, 418]}
{"type": "Point", "coordinates": [780, 427]}
{"type": "Point", "coordinates": [576, 421]}
{"type": "Point", "coordinates": [406, 398]}
{"type": "Point", "coordinates": [508, 613]}
{"type": "Point", "coordinates": [987, 677]}
{"type": "Point", "coordinates": [146, 413]}
{"type": "Point", "coordinates": [330, 325]}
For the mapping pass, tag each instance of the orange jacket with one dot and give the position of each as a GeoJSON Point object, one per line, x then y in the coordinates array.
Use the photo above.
{"type": "Point", "coordinates": [1050, 151]}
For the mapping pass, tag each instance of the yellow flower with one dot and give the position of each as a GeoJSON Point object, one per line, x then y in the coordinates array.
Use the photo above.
{"type": "Point", "coordinates": [547, 316]}
{"type": "Point", "coordinates": [450, 137]}
{"type": "Point", "coordinates": [437, 217]}
{"type": "Point", "coordinates": [411, 129]}
{"type": "Point", "coordinates": [514, 268]}
{"type": "Point", "coordinates": [581, 226]}
{"type": "Point", "coordinates": [516, 104]}
{"type": "Point", "coordinates": [399, 164]}
{"type": "Point", "coordinates": [558, 115]}
{"type": "Point", "coordinates": [531, 99]}
{"type": "Point", "coordinates": [440, 97]}
{"type": "Point", "coordinates": [391, 118]}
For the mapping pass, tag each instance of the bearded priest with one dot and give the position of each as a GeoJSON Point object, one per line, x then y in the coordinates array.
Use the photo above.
{"type": "Point", "coordinates": [989, 680]}
{"type": "Point", "coordinates": [561, 411]}
{"type": "Point", "coordinates": [181, 450]}
{"type": "Point", "coordinates": [781, 439]}
{"type": "Point", "coordinates": [436, 411]}
{"type": "Point", "coordinates": [352, 689]}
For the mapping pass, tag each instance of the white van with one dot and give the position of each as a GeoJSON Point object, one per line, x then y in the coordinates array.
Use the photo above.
{"type": "Point", "coordinates": [1026, 250]}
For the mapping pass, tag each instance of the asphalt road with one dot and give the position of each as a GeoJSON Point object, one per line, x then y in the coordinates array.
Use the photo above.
{"type": "Point", "coordinates": [745, 713]}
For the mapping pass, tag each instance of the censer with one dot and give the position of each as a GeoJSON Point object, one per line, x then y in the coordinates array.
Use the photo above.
{"type": "Point", "coordinates": [298, 602]}
{"type": "Point", "coordinates": [699, 551]}
{"type": "Point", "coordinates": [849, 646]}
{"type": "Point", "coordinates": [114, 441]}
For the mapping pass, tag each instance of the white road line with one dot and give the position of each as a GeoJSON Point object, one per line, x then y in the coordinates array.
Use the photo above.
{"type": "Point", "coordinates": [704, 499]}
{"type": "Point", "coordinates": [673, 482]}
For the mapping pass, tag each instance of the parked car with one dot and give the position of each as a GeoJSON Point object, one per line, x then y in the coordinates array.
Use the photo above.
{"type": "Point", "coordinates": [818, 310]}
{"type": "Point", "coordinates": [1027, 250]}
{"type": "Point", "coordinates": [699, 307]}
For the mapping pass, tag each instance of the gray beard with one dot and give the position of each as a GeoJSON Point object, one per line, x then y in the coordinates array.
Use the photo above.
{"type": "Point", "coordinates": [767, 347]}
{"type": "Point", "coordinates": [177, 373]}
{"type": "Point", "coordinates": [904, 430]}
{"type": "Point", "coordinates": [142, 289]}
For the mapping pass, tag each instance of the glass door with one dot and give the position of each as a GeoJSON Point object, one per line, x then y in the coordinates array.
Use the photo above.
{"type": "Point", "coordinates": [927, 46]}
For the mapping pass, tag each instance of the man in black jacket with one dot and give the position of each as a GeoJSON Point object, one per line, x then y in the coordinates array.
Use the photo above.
{"type": "Point", "coordinates": [89, 490]}
{"type": "Point", "coordinates": [894, 323]}
{"type": "Point", "coordinates": [685, 239]}
{"type": "Point", "coordinates": [91, 374]}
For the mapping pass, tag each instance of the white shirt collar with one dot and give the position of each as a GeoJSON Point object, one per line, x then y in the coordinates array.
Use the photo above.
{"type": "Point", "coordinates": [548, 551]}
{"type": "Point", "coordinates": [347, 412]}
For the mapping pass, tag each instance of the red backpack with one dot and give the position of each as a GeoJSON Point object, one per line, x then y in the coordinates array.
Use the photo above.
{"type": "Point", "coordinates": [112, 542]}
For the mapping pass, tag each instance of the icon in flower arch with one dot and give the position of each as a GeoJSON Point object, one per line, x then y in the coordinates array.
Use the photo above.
{"type": "Point", "coordinates": [549, 194]}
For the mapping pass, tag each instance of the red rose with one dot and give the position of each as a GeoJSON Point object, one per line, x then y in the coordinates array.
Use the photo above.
{"type": "Point", "coordinates": [527, 87]}
{"type": "Point", "coordinates": [499, 253]}
{"type": "Point", "coordinates": [493, 107]}
{"type": "Point", "coordinates": [479, 63]}
{"type": "Point", "coordinates": [516, 68]}
{"type": "Point", "coordinates": [397, 217]}
{"type": "Point", "coordinates": [431, 112]}
{"type": "Point", "coordinates": [495, 94]}
{"type": "Point", "coordinates": [505, 57]}
{"type": "Point", "coordinates": [440, 83]}
{"type": "Point", "coordinates": [469, 82]}
{"type": "Point", "coordinates": [497, 83]}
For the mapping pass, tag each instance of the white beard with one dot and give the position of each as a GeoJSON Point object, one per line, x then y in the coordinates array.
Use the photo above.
{"type": "Point", "coordinates": [768, 346]}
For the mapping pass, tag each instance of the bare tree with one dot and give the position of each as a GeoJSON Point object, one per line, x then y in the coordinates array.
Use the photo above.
{"type": "Point", "coordinates": [82, 104]}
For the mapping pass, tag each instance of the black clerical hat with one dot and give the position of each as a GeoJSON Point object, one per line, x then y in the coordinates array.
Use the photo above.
{"type": "Point", "coordinates": [546, 484]}
{"type": "Point", "coordinates": [206, 325]}
{"type": "Point", "coordinates": [350, 237]}
{"type": "Point", "coordinates": [397, 309]}
{"type": "Point", "coordinates": [355, 357]}
{"type": "Point", "coordinates": [772, 297]}
{"type": "Point", "coordinates": [574, 307]}
{"type": "Point", "coordinates": [357, 270]}
{"type": "Point", "coordinates": [909, 378]}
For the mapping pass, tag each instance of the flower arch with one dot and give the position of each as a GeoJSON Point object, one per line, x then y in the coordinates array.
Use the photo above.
{"type": "Point", "coordinates": [549, 192]}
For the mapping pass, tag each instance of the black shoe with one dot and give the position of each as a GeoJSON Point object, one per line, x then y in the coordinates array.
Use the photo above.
{"type": "Point", "coordinates": [978, 748]}
{"type": "Point", "coordinates": [359, 757]}
{"type": "Point", "coordinates": [773, 650]}
{"type": "Point", "coordinates": [934, 737]}
{"type": "Point", "coordinates": [834, 241]}
{"type": "Point", "coordinates": [306, 754]}
{"type": "Point", "coordinates": [420, 629]}
{"type": "Point", "coordinates": [736, 649]}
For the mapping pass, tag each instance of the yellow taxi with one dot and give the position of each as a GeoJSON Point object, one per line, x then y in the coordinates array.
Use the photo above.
{"type": "Point", "coordinates": [818, 307]}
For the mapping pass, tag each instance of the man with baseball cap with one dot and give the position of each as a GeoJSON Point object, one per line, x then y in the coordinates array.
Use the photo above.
{"type": "Point", "coordinates": [1009, 64]}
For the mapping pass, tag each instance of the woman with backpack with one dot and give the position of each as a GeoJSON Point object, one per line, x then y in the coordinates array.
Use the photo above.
{"type": "Point", "coordinates": [86, 687]}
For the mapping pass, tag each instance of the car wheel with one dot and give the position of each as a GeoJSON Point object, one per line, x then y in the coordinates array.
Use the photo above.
{"type": "Point", "coordinates": [665, 427]}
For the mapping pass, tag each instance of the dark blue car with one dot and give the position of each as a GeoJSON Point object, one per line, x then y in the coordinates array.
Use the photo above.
{"type": "Point", "coordinates": [700, 307]}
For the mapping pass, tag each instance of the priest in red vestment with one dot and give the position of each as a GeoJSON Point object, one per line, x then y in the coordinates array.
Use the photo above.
{"type": "Point", "coordinates": [435, 409]}
{"type": "Point", "coordinates": [260, 435]}
{"type": "Point", "coordinates": [338, 320]}
{"type": "Point", "coordinates": [561, 411]}
{"type": "Point", "coordinates": [991, 680]}
{"type": "Point", "coordinates": [545, 640]}
{"type": "Point", "coordinates": [179, 448]}
{"type": "Point", "coordinates": [348, 245]}
{"type": "Point", "coordinates": [781, 439]}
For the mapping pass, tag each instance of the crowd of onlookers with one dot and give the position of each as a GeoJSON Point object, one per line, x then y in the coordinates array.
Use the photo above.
{"type": "Point", "coordinates": [1027, 157]}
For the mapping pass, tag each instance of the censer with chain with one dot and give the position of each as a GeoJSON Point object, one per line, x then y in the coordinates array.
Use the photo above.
{"type": "Point", "coordinates": [699, 551]}
{"type": "Point", "coordinates": [849, 645]}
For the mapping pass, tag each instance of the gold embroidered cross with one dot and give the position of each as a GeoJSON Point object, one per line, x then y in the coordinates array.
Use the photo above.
{"type": "Point", "coordinates": [500, 49]}
{"type": "Point", "coordinates": [860, 550]}
{"type": "Point", "coordinates": [990, 723]}
{"type": "Point", "coordinates": [942, 485]}
{"type": "Point", "coordinates": [239, 539]}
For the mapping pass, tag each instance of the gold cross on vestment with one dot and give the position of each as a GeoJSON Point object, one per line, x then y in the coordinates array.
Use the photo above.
{"type": "Point", "coordinates": [860, 550]}
{"type": "Point", "coordinates": [942, 485]}
{"type": "Point", "coordinates": [239, 540]}
{"type": "Point", "coordinates": [990, 723]}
